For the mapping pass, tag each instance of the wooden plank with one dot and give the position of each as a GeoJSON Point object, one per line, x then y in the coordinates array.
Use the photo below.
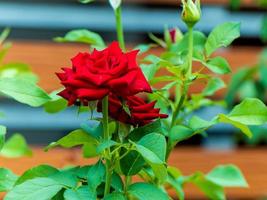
{"type": "Point", "coordinates": [190, 159]}
{"type": "Point", "coordinates": [46, 58]}
{"type": "Point", "coordinates": [245, 3]}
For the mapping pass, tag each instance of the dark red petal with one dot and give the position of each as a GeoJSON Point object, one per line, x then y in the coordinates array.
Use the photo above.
{"type": "Point", "coordinates": [91, 94]}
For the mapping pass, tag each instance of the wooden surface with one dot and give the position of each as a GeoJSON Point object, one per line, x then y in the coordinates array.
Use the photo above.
{"type": "Point", "coordinates": [252, 162]}
{"type": "Point", "coordinates": [245, 3]}
{"type": "Point", "coordinates": [46, 58]}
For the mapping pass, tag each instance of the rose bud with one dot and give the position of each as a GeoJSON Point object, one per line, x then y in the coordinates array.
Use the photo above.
{"type": "Point", "coordinates": [191, 12]}
{"type": "Point", "coordinates": [176, 35]}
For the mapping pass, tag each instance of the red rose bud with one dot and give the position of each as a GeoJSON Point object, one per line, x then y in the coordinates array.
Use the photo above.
{"type": "Point", "coordinates": [95, 75]}
{"type": "Point", "coordinates": [176, 35]}
{"type": "Point", "coordinates": [139, 112]}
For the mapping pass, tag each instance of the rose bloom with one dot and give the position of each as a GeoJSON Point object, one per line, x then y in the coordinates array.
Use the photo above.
{"type": "Point", "coordinates": [139, 112]}
{"type": "Point", "coordinates": [95, 75]}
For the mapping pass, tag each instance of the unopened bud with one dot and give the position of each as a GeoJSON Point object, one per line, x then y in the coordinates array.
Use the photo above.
{"type": "Point", "coordinates": [176, 35]}
{"type": "Point", "coordinates": [191, 12]}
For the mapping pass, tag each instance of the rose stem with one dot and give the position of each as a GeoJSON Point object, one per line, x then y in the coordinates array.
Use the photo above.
{"type": "Point", "coordinates": [119, 28]}
{"type": "Point", "coordinates": [185, 85]}
{"type": "Point", "coordinates": [106, 138]}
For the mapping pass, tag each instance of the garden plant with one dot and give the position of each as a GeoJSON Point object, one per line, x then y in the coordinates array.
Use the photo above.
{"type": "Point", "coordinates": [139, 116]}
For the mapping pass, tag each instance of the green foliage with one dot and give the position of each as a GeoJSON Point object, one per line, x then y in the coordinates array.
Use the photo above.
{"type": "Point", "coordinates": [131, 163]}
{"type": "Point", "coordinates": [264, 29]}
{"type": "Point", "coordinates": [7, 180]}
{"type": "Point", "coordinates": [2, 136]}
{"type": "Point", "coordinates": [124, 150]}
{"type": "Point", "coordinates": [56, 103]}
{"type": "Point", "coordinates": [15, 147]}
{"type": "Point", "coordinates": [82, 193]}
{"type": "Point", "coordinates": [144, 191]}
{"type": "Point", "coordinates": [77, 138]}
{"type": "Point", "coordinates": [214, 84]}
{"type": "Point", "coordinates": [222, 36]}
{"type": "Point", "coordinates": [218, 65]}
{"type": "Point", "coordinates": [83, 36]}
{"type": "Point", "coordinates": [227, 176]}
{"type": "Point", "coordinates": [115, 196]}
{"type": "Point", "coordinates": [244, 114]}
{"type": "Point", "coordinates": [36, 172]}
{"type": "Point", "coordinates": [23, 91]}
{"type": "Point", "coordinates": [38, 188]}
{"type": "Point", "coordinates": [86, 1]}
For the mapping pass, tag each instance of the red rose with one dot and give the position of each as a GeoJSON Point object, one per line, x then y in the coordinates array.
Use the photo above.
{"type": "Point", "coordinates": [140, 113]}
{"type": "Point", "coordinates": [95, 75]}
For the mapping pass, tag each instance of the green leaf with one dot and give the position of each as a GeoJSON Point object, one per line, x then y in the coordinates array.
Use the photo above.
{"type": "Point", "coordinates": [89, 150]}
{"type": "Point", "coordinates": [66, 178]}
{"type": "Point", "coordinates": [139, 132]}
{"type": "Point", "coordinates": [179, 133]}
{"type": "Point", "coordinates": [18, 70]}
{"type": "Point", "coordinates": [149, 155]}
{"type": "Point", "coordinates": [35, 172]}
{"type": "Point", "coordinates": [156, 143]}
{"type": "Point", "coordinates": [59, 195]}
{"type": "Point", "coordinates": [244, 128]}
{"type": "Point", "coordinates": [7, 179]}
{"type": "Point", "coordinates": [23, 91]}
{"type": "Point", "coordinates": [213, 86]}
{"type": "Point", "coordinates": [115, 196]}
{"type": "Point", "coordinates": [74, 138]}
{"type": "Point", "coordinates": [86, 1]}
{"type": "Point", "coordinates": [82, 193]}
{"type": "Point", "coordinates": [116, 182]}
{"type": "Point", "coordinates": [56, 104]}
{"type": "Point", "coordinates": [210, 189]}
{"type": "Point", "coordinates": [132, 163]}
{"type": "Point", "coordinates": [95, 132]}
{"type": "Point", "coordinates": [199, 125]}
{"type": "Point", "coordinates": [157, 40]}
{"type": "Point", "coordinates": [83, 36]}
{"type": "Point", "coordinates": [38, 188]}
{"type": "Point", "coordinates": [177, 186]}
{"type": "Point", "coordinates": [5, 33]}
{"type": "Point", "coordinates": [199, 42]}
{"type": "Point", "coordinates": [153, 149]}
{"type": "Point", "coordinates": [263, 33]}
{"type": "Point", "coordinates": [227, 176]}
{"type": "Point", "coordinates": [218, 65]}
{"type": "Point", "coordinates": [107, 144]}
{"type": "Point", "coordinates": [143, 47]}
{"type": "Point", "coordinates": [95, 175]}
{"type": "Point", "coordinates": [2, 136]}
{"type": "Point", "coordinates": [251, 111]}
{"type": "Point", "coordinates": [222, 36]}
{"type": "Point", "coordinates": [145, 191]}
{"type": "Point", "coordinates": [236, 82]}
{"type": "Point", "coordinates": [16, 146]}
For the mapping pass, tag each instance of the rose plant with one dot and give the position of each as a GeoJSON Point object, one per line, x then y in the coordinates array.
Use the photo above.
{"type": "Point", "coordinates": [134, 137]}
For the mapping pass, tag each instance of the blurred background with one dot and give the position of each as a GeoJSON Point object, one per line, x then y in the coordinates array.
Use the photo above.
{"type": "Point", "coordinates": [34, 24]}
